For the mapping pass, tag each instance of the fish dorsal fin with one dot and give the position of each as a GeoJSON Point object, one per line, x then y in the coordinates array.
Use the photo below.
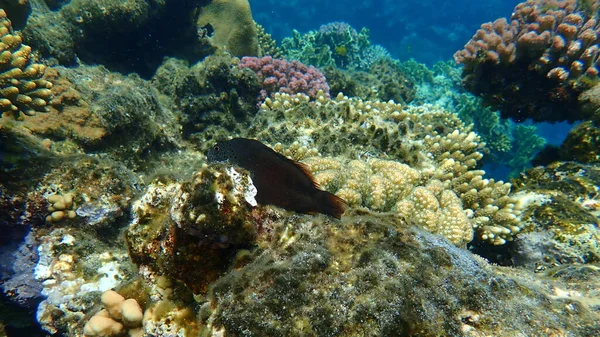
{"type": "Point", "coordinates": [304, 168]}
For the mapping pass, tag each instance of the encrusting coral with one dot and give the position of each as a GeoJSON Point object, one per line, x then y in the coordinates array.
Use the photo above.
{"type": "Point", "coordinates": [408, 158]}
{"type": "Point", "coordinates": [22, 88]}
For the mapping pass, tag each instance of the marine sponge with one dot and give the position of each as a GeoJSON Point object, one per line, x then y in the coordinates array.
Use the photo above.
{"type": "Point", "coordinates": [22, 89]}
{"type": "Point", "coordinates": [398, 149]}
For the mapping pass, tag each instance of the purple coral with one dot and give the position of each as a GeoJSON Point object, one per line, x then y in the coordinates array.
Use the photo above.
{"type": "Point", "coordinates": [279, 75]}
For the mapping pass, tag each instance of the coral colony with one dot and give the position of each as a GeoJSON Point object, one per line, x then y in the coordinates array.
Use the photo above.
{"type": "Point", "coordinates": [222, 184]}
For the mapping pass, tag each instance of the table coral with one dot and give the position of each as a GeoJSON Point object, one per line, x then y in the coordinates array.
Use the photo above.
{"type": "Point", "coordinates": [22, 88]}
{"type": "Point", "coordinates": [536, 64]}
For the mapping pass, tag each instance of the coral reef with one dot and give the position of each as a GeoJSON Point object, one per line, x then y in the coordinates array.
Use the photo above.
{"type": "Point", "coordinates": [69, 258]}
{"type": "Point", "coordinates": [384, 81]}
{"type": "Point", "coordinates": [228, 25]}
{"type": "Point", "coordinates": [427, 139]}
{"type": "Point", "coordinates": [115, 33]}
{"type": "Point", "coordinates": [96, 110]}
{"type": "Point", "coordinates": [73, 267]}
{"type": "Point", "coordinates": [535, 65]}
{"type": "Point", "coordinates": [279, 75]}
{"type": "Point", "coordinates": [506, 143]}
{"type": "Point", "coordinates": [215, 97]}
{"type": "Point", "coordinates": [114, 223]}
{"type": "Point", "coordinates": [22, 88]}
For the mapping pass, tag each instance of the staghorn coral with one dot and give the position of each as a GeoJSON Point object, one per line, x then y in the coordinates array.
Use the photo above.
{"type": "Point", "coordinates": [536, 65]}
{"type": "Point", "coordinates": [22, 88]}
{"type": "Point", "coordinates": [425, 141]}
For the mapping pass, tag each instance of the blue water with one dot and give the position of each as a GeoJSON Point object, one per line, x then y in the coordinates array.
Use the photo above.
{"type": "Point", "coordinates": [426, 30]}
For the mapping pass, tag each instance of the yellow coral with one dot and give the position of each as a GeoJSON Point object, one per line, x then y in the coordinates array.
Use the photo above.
{"type": "Point", "coordinates": [228, 25]}
{"type": "Point", "coordinates": [417, 161]}
{"type": "Point", "coordinates": [22, 89]}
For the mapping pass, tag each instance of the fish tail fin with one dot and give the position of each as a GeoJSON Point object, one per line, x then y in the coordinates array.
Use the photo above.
{"type": "Point", "coordinates": [332, 204]}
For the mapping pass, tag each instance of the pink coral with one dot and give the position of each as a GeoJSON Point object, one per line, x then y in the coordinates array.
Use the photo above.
{"type": "Point", "coordinates": [279, 75]}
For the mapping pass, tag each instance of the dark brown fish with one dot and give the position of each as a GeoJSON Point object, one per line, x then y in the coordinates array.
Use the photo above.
{"type": "Point", "coordinates": [279, 181]}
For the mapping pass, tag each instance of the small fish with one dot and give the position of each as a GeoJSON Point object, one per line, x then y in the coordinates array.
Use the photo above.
{"type": "Point", "coordinates": [279, 181]}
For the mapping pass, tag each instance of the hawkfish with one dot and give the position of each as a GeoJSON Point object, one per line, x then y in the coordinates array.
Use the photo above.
{"type": "Point", "coordinates": [279, 181]}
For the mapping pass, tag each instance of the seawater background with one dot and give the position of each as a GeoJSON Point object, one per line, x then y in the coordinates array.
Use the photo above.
{"type": "Point", "coordinates": [425, 30]}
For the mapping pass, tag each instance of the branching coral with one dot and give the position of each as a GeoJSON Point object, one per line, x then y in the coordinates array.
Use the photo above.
{"type": "Point", "coordinates": [279, 75]}
{"type": "Point", "coordinates": [537, 64]}
{"type": "Point", "coordinates": [398, 150]}
{"type": "Point", "coordinates": [22, 89]}
{"type": "Point", "coordinates": [266, 43]}
{"type": "Point", "coordinates": [507, 143]}
{"type": "Point", "coordinates": [334, 44]}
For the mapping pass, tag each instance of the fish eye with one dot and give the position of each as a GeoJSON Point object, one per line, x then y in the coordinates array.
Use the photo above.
{"type": "Point", "coordinates": [216, 147]}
